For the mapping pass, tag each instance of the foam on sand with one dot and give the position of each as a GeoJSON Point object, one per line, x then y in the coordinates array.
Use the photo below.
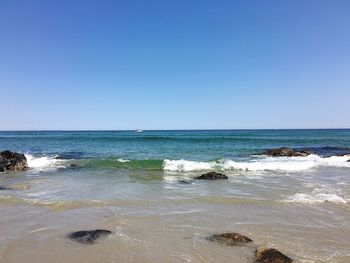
{"type": "Point", "coordinates": [318, 195]}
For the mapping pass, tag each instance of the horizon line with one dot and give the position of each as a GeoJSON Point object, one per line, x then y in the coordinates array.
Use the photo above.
{"type": "Point", "coordinates": [126, 130]}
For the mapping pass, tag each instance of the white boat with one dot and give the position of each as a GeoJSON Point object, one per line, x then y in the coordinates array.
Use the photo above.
{"type": "Point", "coordinates": [139, 131]}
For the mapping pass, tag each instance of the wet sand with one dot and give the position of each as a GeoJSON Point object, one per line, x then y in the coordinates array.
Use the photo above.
{"type": "Point", "coordinates": [173, 231]}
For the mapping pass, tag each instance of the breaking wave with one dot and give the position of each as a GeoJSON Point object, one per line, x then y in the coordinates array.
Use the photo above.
{"type": "Point", "coordinates": [44, 162]}
{"type": "Point", "coordinates": [259, 164]}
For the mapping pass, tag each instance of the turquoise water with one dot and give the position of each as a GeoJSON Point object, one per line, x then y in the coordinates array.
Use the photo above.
{"type": "Point", "coordinates": [122, 181]}
{"type": "Point", "coordinates": [159, 145]}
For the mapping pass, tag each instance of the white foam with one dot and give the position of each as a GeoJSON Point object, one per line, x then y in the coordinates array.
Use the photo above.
{"type": "Point", "coordinates": [259, 164]}
{"type": "Point", "coordinates": [269, 164]}
{"type": "Point", "coordinates": [318, 195]}
{"type": "Point", "coordinates": [43, 162]}
{"type": "Point", "coordinates": [123, 160]}
{"type": "Point", "coordinates": [184, 165]}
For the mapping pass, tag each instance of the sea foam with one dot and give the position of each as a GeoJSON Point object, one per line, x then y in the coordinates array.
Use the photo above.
{"type": "Point", "coordinates": [318, 195]}
{"type": "Point", "coordinates": [259, 164]}
{"type": "Point", "coordinates": [184, 165]}
{"type": "Point", "coordinates": [43, 162]}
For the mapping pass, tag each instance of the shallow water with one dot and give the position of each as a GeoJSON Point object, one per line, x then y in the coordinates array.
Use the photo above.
{"type": "Point", "coordinates": [141, 187]}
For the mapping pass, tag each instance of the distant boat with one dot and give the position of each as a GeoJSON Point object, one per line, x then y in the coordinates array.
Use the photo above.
{"type": "Point", "coordinates": [139, 131]}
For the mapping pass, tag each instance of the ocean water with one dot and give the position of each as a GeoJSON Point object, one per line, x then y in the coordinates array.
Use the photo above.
{"type": "Point", "coordinates": [141, 187]}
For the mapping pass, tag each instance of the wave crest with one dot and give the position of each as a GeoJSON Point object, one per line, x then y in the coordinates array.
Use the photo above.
{"type": "Point", "coordinates": [259, 164]}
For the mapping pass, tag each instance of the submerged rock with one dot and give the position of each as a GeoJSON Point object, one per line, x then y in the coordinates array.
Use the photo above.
{"type": "Point", "coordinates": [212, 176]}
{"type": "Point", "coordinates": [4, 188]}
{"type": "Point", "coordinates": [286, 152]}
{"type": "Point", "coordinates": [271, 255]}
{"type": "Point", "coordinates": [230, 239]}
{"type": "Point", "coordinates": [185, 182]}
{"type": "Point", "coordinates": [89, 236]}
{"type": "Point", "coordinates": [12, 161]}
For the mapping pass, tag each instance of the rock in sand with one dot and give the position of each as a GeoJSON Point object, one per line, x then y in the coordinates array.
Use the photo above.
{"type": "Point", "coordinates": [89, 236]}
{"type": "Point", "coordinates": [230, 239]}
{"type": "Point", "coordinates": [212, 176]}
{"type": "Point", "coordinates": [271, 255]}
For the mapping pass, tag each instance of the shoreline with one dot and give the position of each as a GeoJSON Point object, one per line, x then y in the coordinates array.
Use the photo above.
{"type": "Point", "coordinates": [138, 199]}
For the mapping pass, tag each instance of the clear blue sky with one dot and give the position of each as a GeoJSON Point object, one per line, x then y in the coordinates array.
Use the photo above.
{"type": "Point", "coordinates": [176, 64]}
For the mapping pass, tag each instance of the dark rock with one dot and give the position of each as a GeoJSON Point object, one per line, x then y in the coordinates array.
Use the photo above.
{"type": "Point", "coordinates": [348, 160]}
{"type": "Point", "coordinates": [287, 152]}
{"type": "Point", "coordinates": [230, 239]}
{"type": "Point", "coordinates": [271, 255]}
{"type": "Point", "coordinates": [89, 236]}
{"type": "Point", "coordinates": [12, 161]}
{"type": "Point", "coordinates": [4, 188]}
{"type": "Point", "coordinates": [212, 176]}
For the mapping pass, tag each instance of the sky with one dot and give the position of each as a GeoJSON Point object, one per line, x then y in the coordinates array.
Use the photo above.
{"type": "Point", "coordinates": [180, 64]}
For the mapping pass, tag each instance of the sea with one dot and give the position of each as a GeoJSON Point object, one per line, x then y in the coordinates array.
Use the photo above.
{"type": "Point", "coordinates": [142, 187]}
